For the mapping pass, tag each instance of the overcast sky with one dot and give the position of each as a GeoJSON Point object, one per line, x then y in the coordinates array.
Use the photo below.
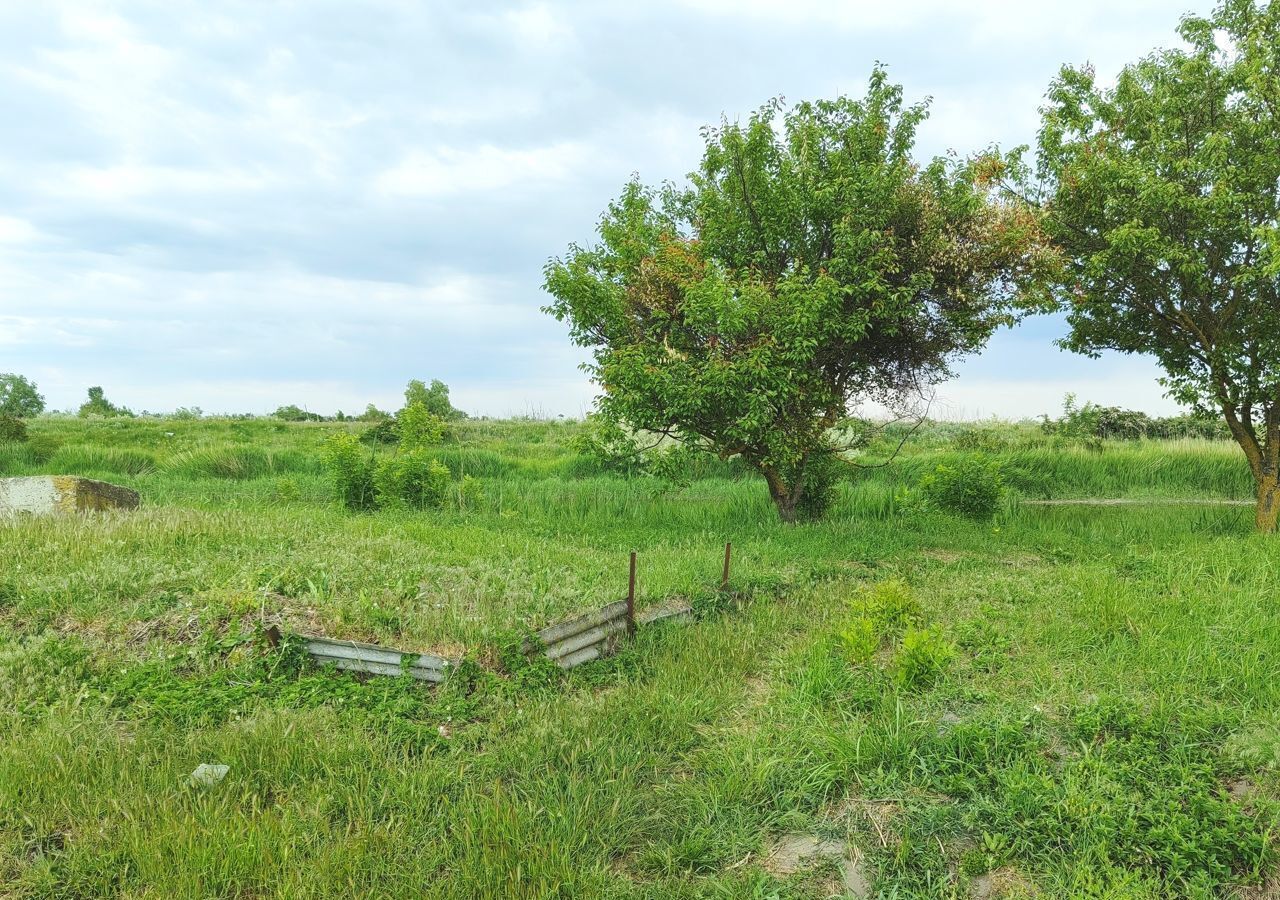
{"type": "Point", "coordinates": [238, 205]}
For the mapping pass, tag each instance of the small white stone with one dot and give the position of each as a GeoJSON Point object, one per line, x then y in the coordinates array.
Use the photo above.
{"type": "Point", "coordinates": [209, 774]}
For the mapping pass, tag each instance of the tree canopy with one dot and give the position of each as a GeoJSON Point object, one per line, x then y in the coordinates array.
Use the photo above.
{"type": "Point", "coordinates": [1164, 195]}
{"type": "Point", "coordinates": [19, 398]}
{"type": "Point", "coordinates": [99, 405]}
{"type": "Point", "coordinates": [434, 398]}
{"type": "Point", "coordinates": [810, 264]}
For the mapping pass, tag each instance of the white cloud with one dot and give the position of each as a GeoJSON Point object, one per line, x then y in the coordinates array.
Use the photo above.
{"type": "Point", "coordinates": [17, 231]}
{"type": "Point", "coordinates": [452, 170]}
{"type": "Point", "coordinates": [269, 203]}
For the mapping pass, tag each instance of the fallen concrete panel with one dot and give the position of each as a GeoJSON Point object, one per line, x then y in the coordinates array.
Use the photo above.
{"type": "Point", "coordinates": [48, 495]}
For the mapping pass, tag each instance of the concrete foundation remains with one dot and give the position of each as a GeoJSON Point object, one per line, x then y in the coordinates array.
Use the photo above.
{"type": "Point", "coordinates": [47, 495]}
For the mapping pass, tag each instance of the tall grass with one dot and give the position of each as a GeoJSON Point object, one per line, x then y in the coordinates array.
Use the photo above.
{"type": "Point", "coordinates": [236, 463]}
{"type": "Point", "coordinates": [1108, 723]}
{"type": "Point", "coordinates": [88, 459]}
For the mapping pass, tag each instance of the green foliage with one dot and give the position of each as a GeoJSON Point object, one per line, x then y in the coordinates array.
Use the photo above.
{"type": "Point", "coordinates": [822, 471]}
{"type": "Point", "coordinates": [470, 492]}
{"type": "Point", "coordinates": [19, 398]}
{"type": "Point", "coordinates": [295, 413]}
{"type": "Point", "coordinates": [922, 658]}
{"type": "Point", "coordinates": [411, 478]}
{"type": "Point", "coordinates": [373, 414]}
{"type": "Point", "coordinates": [890, 605]}
{"type": "Point", "coordinates": [43, 447]}
{"type": "Point", "coordinates": [12, 430]}
{"type": "Point", "coordinates": [972, 487]}
{"type": "Point", "coordinates": [417, 427]}
{"type": "Point", "coordinates": [810, 263]}
{"type": "Point", "coordinates": [99, 405]}
{"type": "Point", "coordinates": [860, 639]}
{"type": "Point", "coordinates": [384, 432]}
{"type": "Point", "coordinates": [435, 399]}
{"type": "Point", "coordinates": [1114, 423]}
{"type": "Point", "coordinates": [287, 490]}
{"type": "Point", "coordinates": [881, 611]}
{"type": "Point", "coordinates": [609, 446]}
{"type": "Point", "coordinates": [128, 654]}
{"type": "Point", "coordinates": [350, 469]}
{"type": "Point", "coordinates": [1165, 203]}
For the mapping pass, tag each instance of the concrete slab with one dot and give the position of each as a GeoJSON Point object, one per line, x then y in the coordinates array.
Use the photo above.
{"type": "Point", "coordinates": [48, 495]}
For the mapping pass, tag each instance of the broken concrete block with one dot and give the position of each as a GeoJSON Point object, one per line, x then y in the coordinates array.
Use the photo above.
{"type": "Point", "coordinates": [45, 495]}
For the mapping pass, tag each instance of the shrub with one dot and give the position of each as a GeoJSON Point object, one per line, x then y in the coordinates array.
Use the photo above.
{"type": "Point", "coordinates": [386, 431]}
{"type": "Point", "coordinates": [924, 655]}
{"type": "Point", "coordinates": [890, 604]}
{"type": "Point", "coordinates": [419, 427]}
{"type": "Point", "coordinates": [608, 446]}
{"type": "Point", "coordinates": [295, 413]}
{"type": "Point", "coordinates": [12, 430]}
{"type": "Point", "coordinates": [99, 405]}
{"type": "Point", "coordinates": [973, 488]}
{"type": "Point", "coordinates": [821, 473]}
{"type": "Point", "coordinates": [1114, 423]}
{"type": "Point", "coordinates": [411, 478]}
{"type": "Point", "coordinates": [350, 471]}
{"type": "Point", "coordinates": [981, 440]}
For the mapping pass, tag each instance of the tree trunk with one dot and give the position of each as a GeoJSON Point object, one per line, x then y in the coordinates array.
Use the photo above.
{"type": "Point", "coordinates": [785, 497]}
{"type": "Point", "coordinates": [1268, 503]}
{"type": "Point", "coordinates": [1264, 462]}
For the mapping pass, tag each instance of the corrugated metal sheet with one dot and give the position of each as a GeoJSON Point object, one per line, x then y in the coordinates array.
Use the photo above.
{"type": "Point", "coordinates": [584, 638]}
{"type": "Point", "coordinates": [357, 657]}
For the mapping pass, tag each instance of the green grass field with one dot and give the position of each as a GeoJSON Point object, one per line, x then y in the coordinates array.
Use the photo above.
{"type": "Point", "coordinates": [1071, 701]}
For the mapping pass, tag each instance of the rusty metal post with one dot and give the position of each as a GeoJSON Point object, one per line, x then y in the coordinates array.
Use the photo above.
{"type": "Point", "coordinates": [724, 579]}
{"type": "Point", "coordinates": [631, 596]}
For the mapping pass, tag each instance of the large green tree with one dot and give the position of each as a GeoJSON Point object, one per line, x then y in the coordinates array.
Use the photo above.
{"type": "Point", "coordinates": [810, 264]}
{"type": "Point", "coordinates": [1165, 198]}
{"type": "Point", "coordinates": [434, 398]}
{"type": "Point", "coordinates": [19, 398]}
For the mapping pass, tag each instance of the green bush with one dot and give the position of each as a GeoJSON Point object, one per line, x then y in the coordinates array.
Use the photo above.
{"type": "Point", "coordinates": [350, 469]}
{"type": "Point", "coordinates": [419, 427]}
{"type": "Point", "coordinates": [973, 488]}
{"type": "Point", "coordinates": [411, 478]}
{"type": "Point", "coordinates": [295, 413]}
{"type": "Point", "coordinates": [12, 430]}
{"type": "Point", "coordinates": [922, 658]}
{"type": "Point", "coordinates": [890, 604]}
{"type": "Point", "coordinates": [99, 405]}
{"type": "Point", "coordinates": [981, 440]}
{"type": "Point", "coordinates": [386, 431]}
